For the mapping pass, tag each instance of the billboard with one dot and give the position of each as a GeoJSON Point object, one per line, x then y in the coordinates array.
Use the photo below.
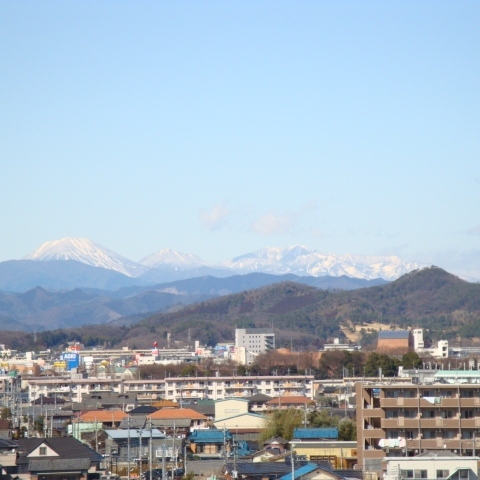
{"type": "Point", "coordinates": [71, 359]}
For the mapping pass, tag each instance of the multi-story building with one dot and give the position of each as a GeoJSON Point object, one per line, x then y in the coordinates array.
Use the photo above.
{"type": "Point", "coordinates": [181, 389]}
{"type": "Point", "coordinates": [405, 420]}
{"type": "Point", "coordinates": [250, 342]}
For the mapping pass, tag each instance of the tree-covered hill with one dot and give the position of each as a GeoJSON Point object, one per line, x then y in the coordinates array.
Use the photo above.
{"type": "Point", "coordinates": [305, 316]}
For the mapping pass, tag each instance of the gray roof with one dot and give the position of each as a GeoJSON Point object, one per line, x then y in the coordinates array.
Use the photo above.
{"type": "Point", "coordinates": [205, 467]}
{"type": "Point", "coordinates": [393, 334]}
{"type": "Point", "coordinates": [58, 464]}
{"type": "Point", "coordinates": [138, 421]}
{"type": "Point", "coordinates": [67, 448]}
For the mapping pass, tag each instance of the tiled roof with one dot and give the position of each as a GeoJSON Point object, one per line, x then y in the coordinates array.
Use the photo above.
{"type": "Point", "coordinates": [299, 472]}
{"type": "Point", "coordinates": [289, 400]}
{"type": "Point", "coordinates": [173, 413]}
{"type": "Point", "coordinates": [209, 436]}
{"type": "Point", "coordinates": [58, 464]}
{"type": "Point", "coordinates": [65, 447]}
{"type": "Point", "coordinates": [103, 416]}
{"type": "Point", "coordinates": [143, 410]}
{"type": "Point", "coordinates": [315, 433]}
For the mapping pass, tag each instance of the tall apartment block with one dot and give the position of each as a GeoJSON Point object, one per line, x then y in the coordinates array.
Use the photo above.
{"type": "Point", "coordinates": [406, 420]}
{"type": "Point", "coordinates": [250, 342]}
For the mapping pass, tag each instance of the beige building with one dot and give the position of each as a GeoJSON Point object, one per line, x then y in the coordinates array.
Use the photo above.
{"type": "Point", "coordinates": [232, 414]}
{"type": "Point", "coordinates": [398, 420]}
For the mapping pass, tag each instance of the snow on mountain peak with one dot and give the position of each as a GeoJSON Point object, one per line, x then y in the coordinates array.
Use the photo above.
{"type": "Point", "coordinates": [85, 251]}
{"type": "Point", "coordinates": [169, 257]}
{"type": "Point", "coordinates": [300, 260]}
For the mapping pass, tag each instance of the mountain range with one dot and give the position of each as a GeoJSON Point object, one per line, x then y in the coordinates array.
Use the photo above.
{"type": "Point", "coordinates": [169, 265]}
{"type": "Point", "coordinates": [446, 306]}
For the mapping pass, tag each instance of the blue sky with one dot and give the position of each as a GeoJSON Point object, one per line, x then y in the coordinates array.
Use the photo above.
{"type": "Point", "coordinates": [218, 128]}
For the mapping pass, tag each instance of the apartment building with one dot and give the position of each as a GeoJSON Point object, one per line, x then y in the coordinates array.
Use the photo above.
{"type": "Point", "coordinates": [180, 389]}
{"type": "Point", "coordinates": [406, 420]}
{"type": "Point", "coordinates": [250, 342]}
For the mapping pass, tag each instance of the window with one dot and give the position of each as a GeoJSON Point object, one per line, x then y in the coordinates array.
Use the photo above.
{"type": "Point", "coordinates": [467, 414]}
{"type": "Point", "coordinates": [410, 414]}
{"type": "Point", "coordinates": [391, 414]}
{"type": "Point", "coordinates": [42, 450]}
{"type": "Point", "coordinates": [428, 414]}
{"type": "Point", "coordinates": [429, 434]}
{"type": "Point", "coordinates": [410, 434]}
{"type": "Point", "coordinates": [407, 473]}
{"type": "Point", "coordinates": [442, 473]}
{"type": "Point", "coordinates": [467, 434]}
{"type": "Point", "coordinates": [420, 473]}
{"type": "Point", "coordinates": [446, 413]}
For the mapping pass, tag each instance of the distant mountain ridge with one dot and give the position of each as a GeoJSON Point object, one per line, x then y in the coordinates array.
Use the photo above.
{"type": "Point", "coordinates": [39, 309]}
{"type": "Point", "coordinates": [169, 265]}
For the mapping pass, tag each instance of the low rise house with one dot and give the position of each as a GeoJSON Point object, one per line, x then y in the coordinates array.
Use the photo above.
{"type": "Point", "coordinates": [56, 459]}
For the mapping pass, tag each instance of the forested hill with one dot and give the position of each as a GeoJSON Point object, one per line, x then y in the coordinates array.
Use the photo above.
{"type": "Point", "coordinates": [306, 316]}
{"type": "Point", "coordinates": [430, 297]}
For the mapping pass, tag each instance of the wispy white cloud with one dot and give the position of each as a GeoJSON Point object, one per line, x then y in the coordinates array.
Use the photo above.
{"type": "Point", "coordinates": [474, 230]}
{"type": "Point", "coordinates": [272, 224]}
{"type": "Point", "coordinates": [216, 217]}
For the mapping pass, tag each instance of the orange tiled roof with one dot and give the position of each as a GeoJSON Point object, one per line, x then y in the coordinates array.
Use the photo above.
{"type": "Point", "coordinates": [174, 413]}
{"type": "Point", "coordinates": [103, 416]}
{"type": "Point", "coordinates": [293, 399]}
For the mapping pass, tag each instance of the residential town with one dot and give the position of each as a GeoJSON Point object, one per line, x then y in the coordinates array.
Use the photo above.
{"type": "Point", "coordinates": [92, 413]}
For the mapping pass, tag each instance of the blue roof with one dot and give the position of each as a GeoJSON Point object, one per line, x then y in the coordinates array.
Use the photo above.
{"type": "Point", "coordinates": [208, 436]}
{"type": "Point", "coordinates": [312, 433]}
{"type": "Point", "coordinates": [299, 472]}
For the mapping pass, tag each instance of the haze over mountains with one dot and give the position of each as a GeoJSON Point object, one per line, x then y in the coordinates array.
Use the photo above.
{"type": "Point", "coordinates": [168, 265]}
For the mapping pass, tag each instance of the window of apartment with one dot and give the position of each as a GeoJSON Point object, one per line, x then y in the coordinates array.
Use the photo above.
{"type": "Point", "coordinates": [443, 473]}
{"type": "Point", "coordinates": [407, 473]}
{"type": "Point", "coordinates": [467, 434]}
{"type": "Point", "coordinates": [449, 434]}
{"type": "Point", "coordinates": [429, 434]}
{"type": "Point", "coordinates": [447, 414]}
{"type": "Point", "coordinates": [466, 393]}
{"type": "Point", "coordinates": [410, 434]}
{"type": "Point", "coordinates": [391, 414]}
{"type": "Point", "coordinates": [464, 473]}
{"type": "Point", "coordinates": [410, 414]}
{"type": "Point", "coordinates": [409, 394]}
{"type": "Point", "coordinates": [420, 474]}
{"type": "Point", "coordinates": [42, 451]}
{"type": "Point", "coordinates": [391, 394]}
{"type": "Point", "coordinates": [467, 414]}
{"type": "Point", "coordinates": [392, 434]}
{"type": "Point", "coordinates": [428, 414]}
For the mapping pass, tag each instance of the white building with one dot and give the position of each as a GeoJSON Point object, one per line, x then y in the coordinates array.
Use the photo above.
{"type": "Point", "coordinates": [250, 342]}
{"type": "Point", "coordinates": [438, 351]}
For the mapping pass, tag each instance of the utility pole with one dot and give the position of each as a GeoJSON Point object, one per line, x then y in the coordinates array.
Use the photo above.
{"type": "Point", "coordinates": [150, 451]}
{"type": "Point", "coordinates": [128, 449]}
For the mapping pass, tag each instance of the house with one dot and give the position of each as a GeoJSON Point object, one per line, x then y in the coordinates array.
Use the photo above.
{"type": "Point", "coordinates": [107, 400]}
{"type": "Point", "coordinates": [285, 402]}
{"type": "Point", "coordinates": [178, 420]}
{"type": "Point", "coordinates": [136, 441]}
{"type": "Point", "coordinates": [233, 414]}
{"type": "Point", "coordinates": [56, 459]}
{"type": "Point", "coordinates": [277, 444]}
{"type": "Point", "coordinates": [108, 418]}
{"type": "Point", "coordinates": [211, 443]}
{"type": "Point", "coordinates": [256, 403]}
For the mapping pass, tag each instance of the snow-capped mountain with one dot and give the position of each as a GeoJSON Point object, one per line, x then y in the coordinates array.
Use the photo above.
{"type": "Point", "coordinates": [299, 260]}
{"type": "Point", "coordinates": [167, 256]}
{"type": "Point", "coordinates": [168, 264]}
{"type": "Point", "coordinates": [85, 251]}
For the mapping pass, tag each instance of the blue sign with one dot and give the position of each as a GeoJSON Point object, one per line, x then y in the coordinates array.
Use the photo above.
{"type": "Point", "coordinates": [71, 359]}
